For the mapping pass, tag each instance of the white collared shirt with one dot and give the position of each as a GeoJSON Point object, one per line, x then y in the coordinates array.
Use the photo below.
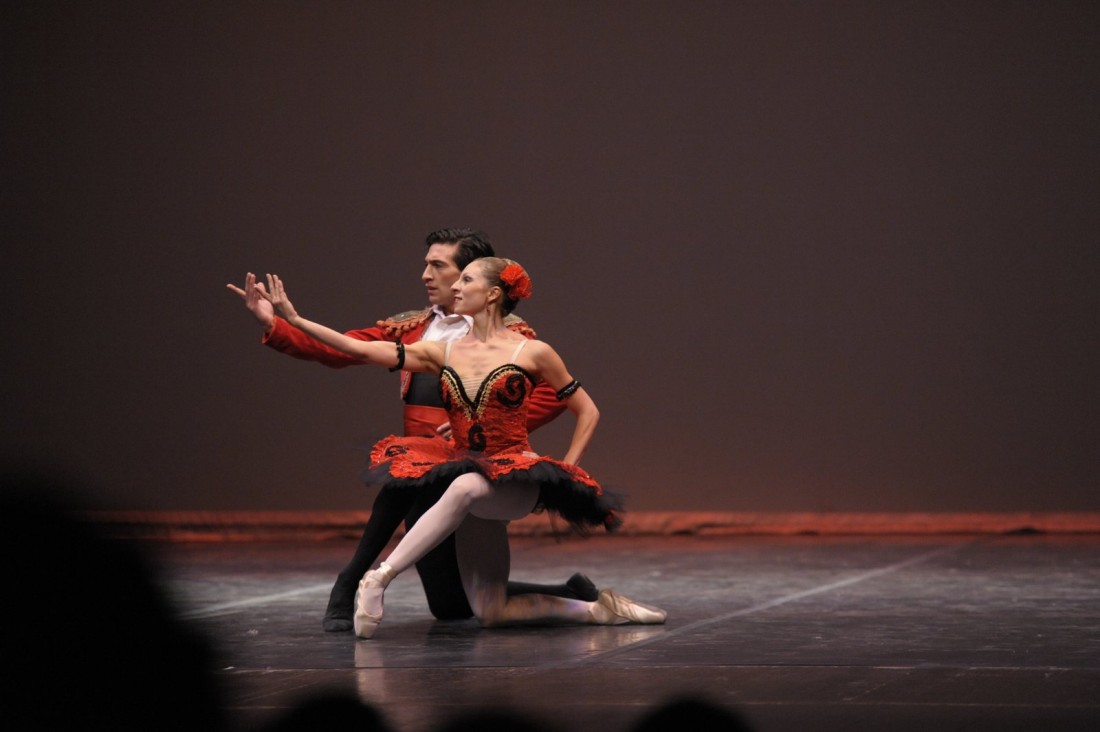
{"type": "Point", "coordinates": [446, 327]}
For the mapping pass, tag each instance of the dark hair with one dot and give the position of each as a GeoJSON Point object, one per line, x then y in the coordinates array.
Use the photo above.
{"type": "Point", "coordinates": [472, 244]}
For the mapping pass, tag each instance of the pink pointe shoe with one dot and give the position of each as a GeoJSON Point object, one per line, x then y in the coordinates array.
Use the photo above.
{"type": "Point", "coordinates": [614, 609]}
{"type": "Point", "coordinates": [372, 586]}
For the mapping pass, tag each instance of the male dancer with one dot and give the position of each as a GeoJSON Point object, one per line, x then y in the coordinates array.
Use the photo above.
{"type": "Point", "coordinates": [449, 251]}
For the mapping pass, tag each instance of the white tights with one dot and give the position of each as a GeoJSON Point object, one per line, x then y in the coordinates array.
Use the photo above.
{"type": "Point", "coordinates": [478, 514]}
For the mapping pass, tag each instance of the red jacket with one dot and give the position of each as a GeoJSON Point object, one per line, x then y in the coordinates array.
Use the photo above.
{"type": "Point", "coordinates": [405, 327]}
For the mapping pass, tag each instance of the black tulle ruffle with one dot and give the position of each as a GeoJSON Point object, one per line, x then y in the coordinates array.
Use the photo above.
{"type": "Point", "coordinates": [581, 505]}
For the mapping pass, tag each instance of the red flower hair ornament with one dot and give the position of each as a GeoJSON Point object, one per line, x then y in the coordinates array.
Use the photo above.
{"type": "Point", "coordinates": [519, 284]}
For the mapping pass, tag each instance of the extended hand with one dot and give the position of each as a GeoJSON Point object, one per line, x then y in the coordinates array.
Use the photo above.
{"type": "Point", "coordinates": [256, 300]}
{"type": "Point", "coordinates": [279, 299]}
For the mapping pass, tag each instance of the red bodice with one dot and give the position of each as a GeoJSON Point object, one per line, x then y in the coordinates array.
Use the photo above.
{"type": "Point", "coordinates": [489, 428]}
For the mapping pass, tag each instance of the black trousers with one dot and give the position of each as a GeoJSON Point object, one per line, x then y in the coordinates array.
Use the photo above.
{"type": "Point", "coordinates": [438, 569]}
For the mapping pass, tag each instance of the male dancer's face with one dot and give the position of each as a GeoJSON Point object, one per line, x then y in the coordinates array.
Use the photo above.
{"type": "Point", "coordinates": [440, 272]}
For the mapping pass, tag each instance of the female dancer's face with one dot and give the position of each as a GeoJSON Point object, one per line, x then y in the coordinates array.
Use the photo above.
{"type": "Point", "coordinates": [471, 290]}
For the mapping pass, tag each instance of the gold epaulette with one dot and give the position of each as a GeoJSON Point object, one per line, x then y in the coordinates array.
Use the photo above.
{"type": "Point", "coordinates": [518, 324]}
{"type": "Point", "coordinates": [397, 325]}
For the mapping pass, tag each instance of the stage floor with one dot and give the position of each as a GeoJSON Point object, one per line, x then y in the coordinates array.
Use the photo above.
{"type": "Point", "coordinates": [819, 633]}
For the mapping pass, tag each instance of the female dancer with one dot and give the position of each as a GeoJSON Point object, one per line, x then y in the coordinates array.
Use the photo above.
{"type": "Point", "coordinates": [492, 475]}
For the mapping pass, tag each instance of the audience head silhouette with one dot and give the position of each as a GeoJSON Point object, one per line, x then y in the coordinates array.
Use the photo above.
{"type": "Point", "coordinates": [93, 640]}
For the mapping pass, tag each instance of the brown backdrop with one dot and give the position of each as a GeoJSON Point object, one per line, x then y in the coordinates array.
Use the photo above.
{"type": "Point", "coordinates": [805, 256]}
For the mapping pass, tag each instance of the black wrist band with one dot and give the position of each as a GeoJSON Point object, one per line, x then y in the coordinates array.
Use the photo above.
{"type": "Point", "coordinates": [400, 357]}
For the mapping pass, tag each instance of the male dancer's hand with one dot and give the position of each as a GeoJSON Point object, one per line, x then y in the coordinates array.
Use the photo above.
{"type": "Point", "coordinates": [256, 300]}
{"type": "Point", "coordinates": [444, 430]}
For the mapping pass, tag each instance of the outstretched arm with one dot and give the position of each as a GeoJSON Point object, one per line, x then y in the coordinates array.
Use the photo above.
{"type": "Point", "coordinates": [414, 357]}
{"type": "Point", "coordinates": [285, 338]}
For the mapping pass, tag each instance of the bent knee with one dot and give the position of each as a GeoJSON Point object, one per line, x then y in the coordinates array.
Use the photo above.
{"type": "Point", "coordinates": [490, 614]}
{"type": "Point", "coordinates": [491, 619]}
{"type": "Point", "coordinates": [468, 488]}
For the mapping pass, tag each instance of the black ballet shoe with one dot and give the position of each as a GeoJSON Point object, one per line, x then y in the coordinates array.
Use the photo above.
{"type": "Point", "coordinates": [364, 621]}
{"type": "Point", "coordinates": [337, 621]}
{"type": "Point", "coordinates": [614, 609]}
{"type": "Point", "coordinates": [583, 588]}
{"type": "Point", "coordinates": [341, 605]}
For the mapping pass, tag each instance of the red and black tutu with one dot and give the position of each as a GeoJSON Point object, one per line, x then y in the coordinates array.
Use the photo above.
{"type": "Point", "coordinates": [418, 463]}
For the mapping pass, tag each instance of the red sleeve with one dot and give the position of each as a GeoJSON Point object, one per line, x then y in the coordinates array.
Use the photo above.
{"type": "Point", "coordinates": [285, 338]}
{"type": "Point", "coordinates": [543, 407]}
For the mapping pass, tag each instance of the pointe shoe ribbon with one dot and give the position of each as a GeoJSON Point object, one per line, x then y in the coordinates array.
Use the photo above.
{"type": "Point", "coordinates": [374, 582]}
{"type": "Point", "coordinates": [611, 608]}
